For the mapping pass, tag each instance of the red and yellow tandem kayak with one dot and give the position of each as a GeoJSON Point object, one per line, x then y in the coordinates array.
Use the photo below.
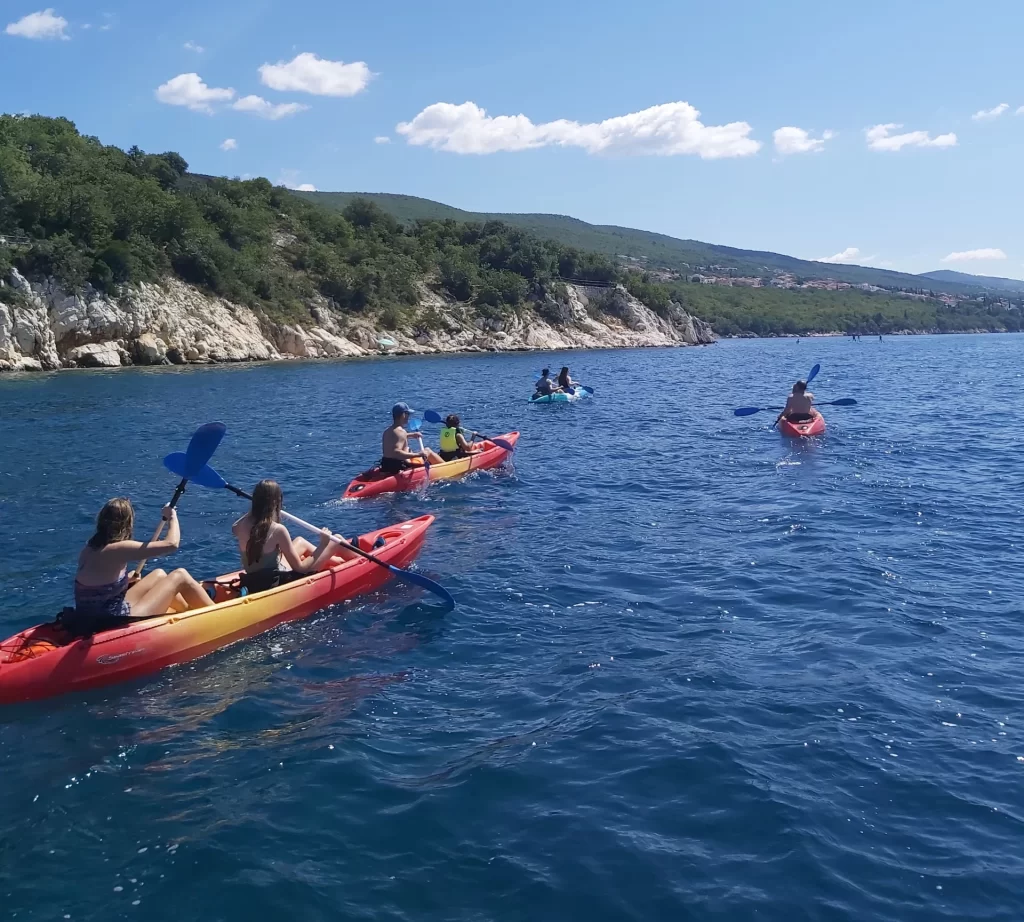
{"type": "Point", "coordinates": [374, 482]}
{"type": "Point", "coordinates": [804, 429]}
{"type": "Point", "coordinates": [45, 661]}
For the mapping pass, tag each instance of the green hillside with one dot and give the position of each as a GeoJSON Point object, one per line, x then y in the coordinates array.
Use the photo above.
{"type": "Point", "coordinates": [660, 250]}
{"type": "Point", "coordinates": [87, 214]}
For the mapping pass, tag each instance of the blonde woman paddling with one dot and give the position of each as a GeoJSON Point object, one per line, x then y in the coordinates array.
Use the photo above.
{"type": "Point", "coordinates": [105, 598]}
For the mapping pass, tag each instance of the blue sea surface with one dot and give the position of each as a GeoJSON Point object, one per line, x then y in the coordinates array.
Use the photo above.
{"type": "Point", "coordinates": [696, 671]}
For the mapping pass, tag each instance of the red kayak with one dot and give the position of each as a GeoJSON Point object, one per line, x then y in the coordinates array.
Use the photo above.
{"type": "Point", "coordinates": [374, 482]}
{"type": "Point", "coordinates": [804, 429]}
{"type": "Point", "coordinates": [45, 660]}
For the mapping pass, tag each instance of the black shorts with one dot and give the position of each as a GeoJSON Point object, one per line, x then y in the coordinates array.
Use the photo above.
{"type": "Point", "coordinates": [800, 417]}
{"type": "Point", "coordinates": [80, 624]}
{"type": "Point", "coordinates": [393, 465]}
{"type": "Point", "coordinates": [452, 455]}
{"type": "Point", "coordinates": [262, 580]}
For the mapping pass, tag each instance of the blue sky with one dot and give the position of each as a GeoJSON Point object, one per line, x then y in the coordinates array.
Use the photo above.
{"type": "Point", "coordinates": [308, 91]}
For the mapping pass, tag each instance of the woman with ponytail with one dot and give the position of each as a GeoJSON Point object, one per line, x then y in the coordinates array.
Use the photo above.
{"type": "Point", "coordinates": [270, 556]}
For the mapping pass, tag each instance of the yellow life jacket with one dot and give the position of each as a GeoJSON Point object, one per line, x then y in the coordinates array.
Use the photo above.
{"type": "Point", "coordinates": [448, 440]}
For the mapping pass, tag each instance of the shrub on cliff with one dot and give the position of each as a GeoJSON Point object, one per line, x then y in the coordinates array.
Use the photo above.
{"type": "Point", "coordinates": [98, 215]}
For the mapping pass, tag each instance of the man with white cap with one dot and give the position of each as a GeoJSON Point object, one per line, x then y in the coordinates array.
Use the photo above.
{"type": "Point", "coordinates": [395, 452]}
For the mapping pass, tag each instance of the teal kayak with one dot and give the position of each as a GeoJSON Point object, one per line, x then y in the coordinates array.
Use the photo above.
{"type": "Point", "coordinates": [561, 397]}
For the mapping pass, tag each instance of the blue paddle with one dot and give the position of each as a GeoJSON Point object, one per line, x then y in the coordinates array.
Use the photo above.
{"type": "Point", "coordinates": [432, 416]}
{"type": "Point", "coordinates": [201, 447]}
{"type": "Point", "coordinates": [414, 429]}
{"type": "Point", "coordinates": [208, 477]}
{"type": "Point", "coordinates": [842, 402]}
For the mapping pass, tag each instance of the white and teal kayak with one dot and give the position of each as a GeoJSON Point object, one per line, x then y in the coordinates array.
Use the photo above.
{"type": "Point", "coordinates": [561, 397]}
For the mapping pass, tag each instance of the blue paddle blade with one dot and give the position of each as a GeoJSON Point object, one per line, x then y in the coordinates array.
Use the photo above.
{"type": "Point", "coordinates": [206, 476]}
{"type": "Point", "coordinates": [584, 387]}
{"type": "Point", "coordinates": [423, 582]}
{"type": "Point", "coordinates": [432, 416]}
{"type": "Point", "coordinates": [844, 402]}
{"type": "Point", "coordinates": [414, 425]}
{"type": "Point", "coordinates": [204, 443]}
{"type": "Point", "coordinates": [814, 373]}
{"type": "Point", "coordinates": [746, 411]}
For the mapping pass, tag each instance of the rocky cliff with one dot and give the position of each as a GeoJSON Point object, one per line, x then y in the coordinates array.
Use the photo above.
{"type": "Point", "coordinates": [44, 327]}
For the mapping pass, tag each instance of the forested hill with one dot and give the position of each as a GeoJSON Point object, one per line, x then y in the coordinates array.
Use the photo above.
{"type": "Point", "coordinates": [83, 213]}
{"type": "Point", "coordinates": [662, 251]}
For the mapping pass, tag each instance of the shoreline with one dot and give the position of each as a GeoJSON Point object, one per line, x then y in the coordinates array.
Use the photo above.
{"type": "Point", "coordinates": [280, 360]}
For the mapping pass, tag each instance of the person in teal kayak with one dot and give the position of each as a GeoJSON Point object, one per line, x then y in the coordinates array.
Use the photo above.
{"type": "Point", "coordinates": [545, 386]}
{"type": "Point", "coordinates": [565, 383]}
{"type": "Point", "coordinates": [105, 597]}
{"type": "Point", "coordinates": [799, 405]}
{"type": "Point", "coordinates": [453, 440]}
{"type": "Point", "coordinates": [396, 455]}
{"type": "Point", "coordinates": [270, 555]}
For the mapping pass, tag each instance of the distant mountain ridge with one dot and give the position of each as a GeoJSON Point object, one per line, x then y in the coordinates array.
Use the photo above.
{"type": "Point", "coordinates": [663, 251]}
{"type": "Point", "coordinates": [984, 281]}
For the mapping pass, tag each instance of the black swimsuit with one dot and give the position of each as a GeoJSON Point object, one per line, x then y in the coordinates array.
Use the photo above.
{"type": "Point", "coordinates": [394, 465]}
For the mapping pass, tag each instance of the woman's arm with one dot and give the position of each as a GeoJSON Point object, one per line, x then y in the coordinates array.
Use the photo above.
{"type": "Point", "coordinates": [144, 550]}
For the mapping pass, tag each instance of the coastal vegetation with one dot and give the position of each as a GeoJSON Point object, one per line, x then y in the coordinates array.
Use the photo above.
{"type": "Point", "coordinates": [85, 213]}
{"type": "Point", "coordinates": [88, 213]}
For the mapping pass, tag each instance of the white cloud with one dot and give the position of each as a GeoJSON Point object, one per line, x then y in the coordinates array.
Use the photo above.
{"type": "Point", "coordinates": [879, 138]}
{"type": "Point", "coordinates": [849, 255]}
{"type": "Point", "coordinates": [42, 25]}
{"type": "Point", "coordinates": [192, 46]}
{"type": "Point", "coordinates": [229, 144]}
{"type": "Point", "coordinates": [290, 180]}
{"type": "Point", "coordinates": [665, 130]}
{"type": "Point", "coordinates": [969, 255]}
{"type": "Point", "coordinates": [189, 90]}
{"type": "Point", "coordinates": [1019, 111]}
{"type": "Point", "coordinates": [382, 139]}
{"type": "Point", "coordinates": [986, 114]}
{"type": "Point", "coordinates": [798, 141]}
{"type": "Point", "coordinates": [306, 73]}
{"type": "Point", "coordinates": [257, 105]}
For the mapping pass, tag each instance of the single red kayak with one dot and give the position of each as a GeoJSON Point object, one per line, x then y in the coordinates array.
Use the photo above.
{"type": "Point", "coordinates": [45, 660]}
{"type": "Point", "coordinates": [374, 481]}
{"type": "Point", "coordinates": [813, 426]}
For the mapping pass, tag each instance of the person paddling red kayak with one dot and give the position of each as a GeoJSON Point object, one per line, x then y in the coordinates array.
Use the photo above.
{"type": "Point", "coordinates": [799, 418]}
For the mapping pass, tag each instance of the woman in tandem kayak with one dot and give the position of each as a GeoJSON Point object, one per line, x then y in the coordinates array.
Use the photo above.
{"type": "Point", "coordinates": [266, 546]}
{"type": "Point", "coordinates": [105, 598]}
